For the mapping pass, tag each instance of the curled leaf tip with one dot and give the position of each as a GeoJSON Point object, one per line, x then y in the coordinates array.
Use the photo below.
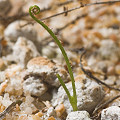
{"type": "Point", "coordinates": [34, 10]}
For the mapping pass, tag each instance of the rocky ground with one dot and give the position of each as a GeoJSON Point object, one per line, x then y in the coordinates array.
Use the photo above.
{"type": "Point", "coordinates": [30, 60]}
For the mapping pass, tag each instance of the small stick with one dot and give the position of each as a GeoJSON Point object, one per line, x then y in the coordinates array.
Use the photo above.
{"type": "Point", "coordinates": [104, 104]}
{"type": "Point", "coordinates": [9, 108]}
{"type": "Point", "coordinates": [21, 15]}
{"type": "Point", "coordinates": [72, 9]}
{"type": "Point", "coordinates": [47, 39]}
{"type": "Point", "coordinates": [89, 74]}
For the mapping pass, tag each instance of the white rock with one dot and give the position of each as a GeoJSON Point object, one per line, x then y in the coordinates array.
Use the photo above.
{"type": "Point", "coordinates": [13, 74]}
{"type": "Point", "coordinates": [34, 86]}
{"type": "Point", "coordinates": [6, 100]}
{"type": "Point", "coordinates": [111, 113]}
{"type": "Point", "coordinates": [28, 107]}
{"type": "Point", "coordinates": [102, 65]}
{"type": "Point", "coordinates": [47, 70]}
{"type": "Point", "coordinates": [5, 6]}
{"type": "Point", "coordinates": [78, 115]}
{"type": "Point", "coordinates": [52, 51]}
{"type": "Point", "coordinates": [14, 86]}
{"type": "Point", "coordinates": [2, 76]}
{"type": "Point", "coordinates": [49, 52]}
{"type": "Point", "coordinates": [23, 51]}
{"type": "Point", "coordinates": [110, 80]}
{"type": "Point", "coordinates": [14, 30]}
{"type": "Point", "coordinates": [51, 112]}
{"type": "Point", "coordinates": [89, 94]}
{"type": "Point", "coordinates": [109, 50]}
{"type": "Point", "coordinates": [106, 32]}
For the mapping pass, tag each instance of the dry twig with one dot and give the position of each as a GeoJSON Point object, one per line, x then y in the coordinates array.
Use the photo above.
{"type": "Point", "coordinates": [101, 106]}
{"type": "Point", "coordinates": [8, 19]}
{"type": "Point", "coordinates": [72, 9]}
{"type": "Point", "coordinates": [9, 108]}
{"type": "Point", "coordinates": [58, 30]}
{"type": "Point", "coordinates": [47, 39]}
{"type": "Point", "coordinates": [89, 74]}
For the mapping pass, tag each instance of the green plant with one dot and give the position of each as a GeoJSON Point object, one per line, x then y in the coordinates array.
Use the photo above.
{"type": "Point", "coordinates": [34, 10]}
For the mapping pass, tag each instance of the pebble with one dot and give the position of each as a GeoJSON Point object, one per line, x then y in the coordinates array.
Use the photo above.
{"type": "Point", "coordinates": [60, 109]}
{"type": "Point", "coordinates": [46, 70]}
{"type": "Point", "coordinates": [51, 118]}
{"type": "Point", "coordinates": [117, 69]}
{"type": "Point", "coordinates": [14, 30]}
{"type": "Point", "coordinates": [49, 52]}
{"type": "Point", "coordinates": [110, 80]}
{"type": "Point", "coordinates": [111, 113]}
{"type": "Point", "coordinates": [78, 115]}
{"type": "Point", "coordinates": [2, 76]}
{"type": "Point", "coordinates": [23, 51]}
{"type": "Point", "coordinates": [28, 106]}
{"type": "Point", "coordinates": [2, 64]}
{"type": "Point", "coordinates": [109, 50]}
{"type": "Point", "coordinates": [51, 112]}
{"type": "Point", "coordinates": [34, 86]}
{"type": "Point", "coordinates": [2, 87]}
{"type": "Point", "coordinates": [26, 49]}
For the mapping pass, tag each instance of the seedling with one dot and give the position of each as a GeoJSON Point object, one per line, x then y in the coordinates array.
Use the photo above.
{"type": "Point", "coordinates": [34, 10]}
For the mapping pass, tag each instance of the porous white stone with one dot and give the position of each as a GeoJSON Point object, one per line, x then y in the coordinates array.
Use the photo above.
{"type": "Point", "coordinates": [5, 6]}
{"type": "Point", "coordinates": [27, 106]}
{"type": "Point", "coordinates": [111, 113]}
{"type": "Point", "coordinates": [47, 70]}
{"type": "Point", "coordinates": [34, 86]}
{"type": "Point", "coordinates": [78, 115]}
{"type": "Point", "coordinates": [89, 94]}
{"type": "Point", "coordinates": [14, 30]}
{"type": "Point", "coordinates": [51, 112]}
{"type": "Point", "coordinates": [23, 51]}
{"type": "Point", "coordinates": [2, 76]}
{"type": "Point", "coordinates": [49, 52]}
{"type": "Point", "coordinates": [109, 50]}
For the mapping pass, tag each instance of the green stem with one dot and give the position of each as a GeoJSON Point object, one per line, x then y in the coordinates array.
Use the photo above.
{"type": "Point", "coordinates": [35, 10]}
{"type": "Point", "coordinates": [71, 98]}
{"type": "Point", "coordinates": [64, 86]}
